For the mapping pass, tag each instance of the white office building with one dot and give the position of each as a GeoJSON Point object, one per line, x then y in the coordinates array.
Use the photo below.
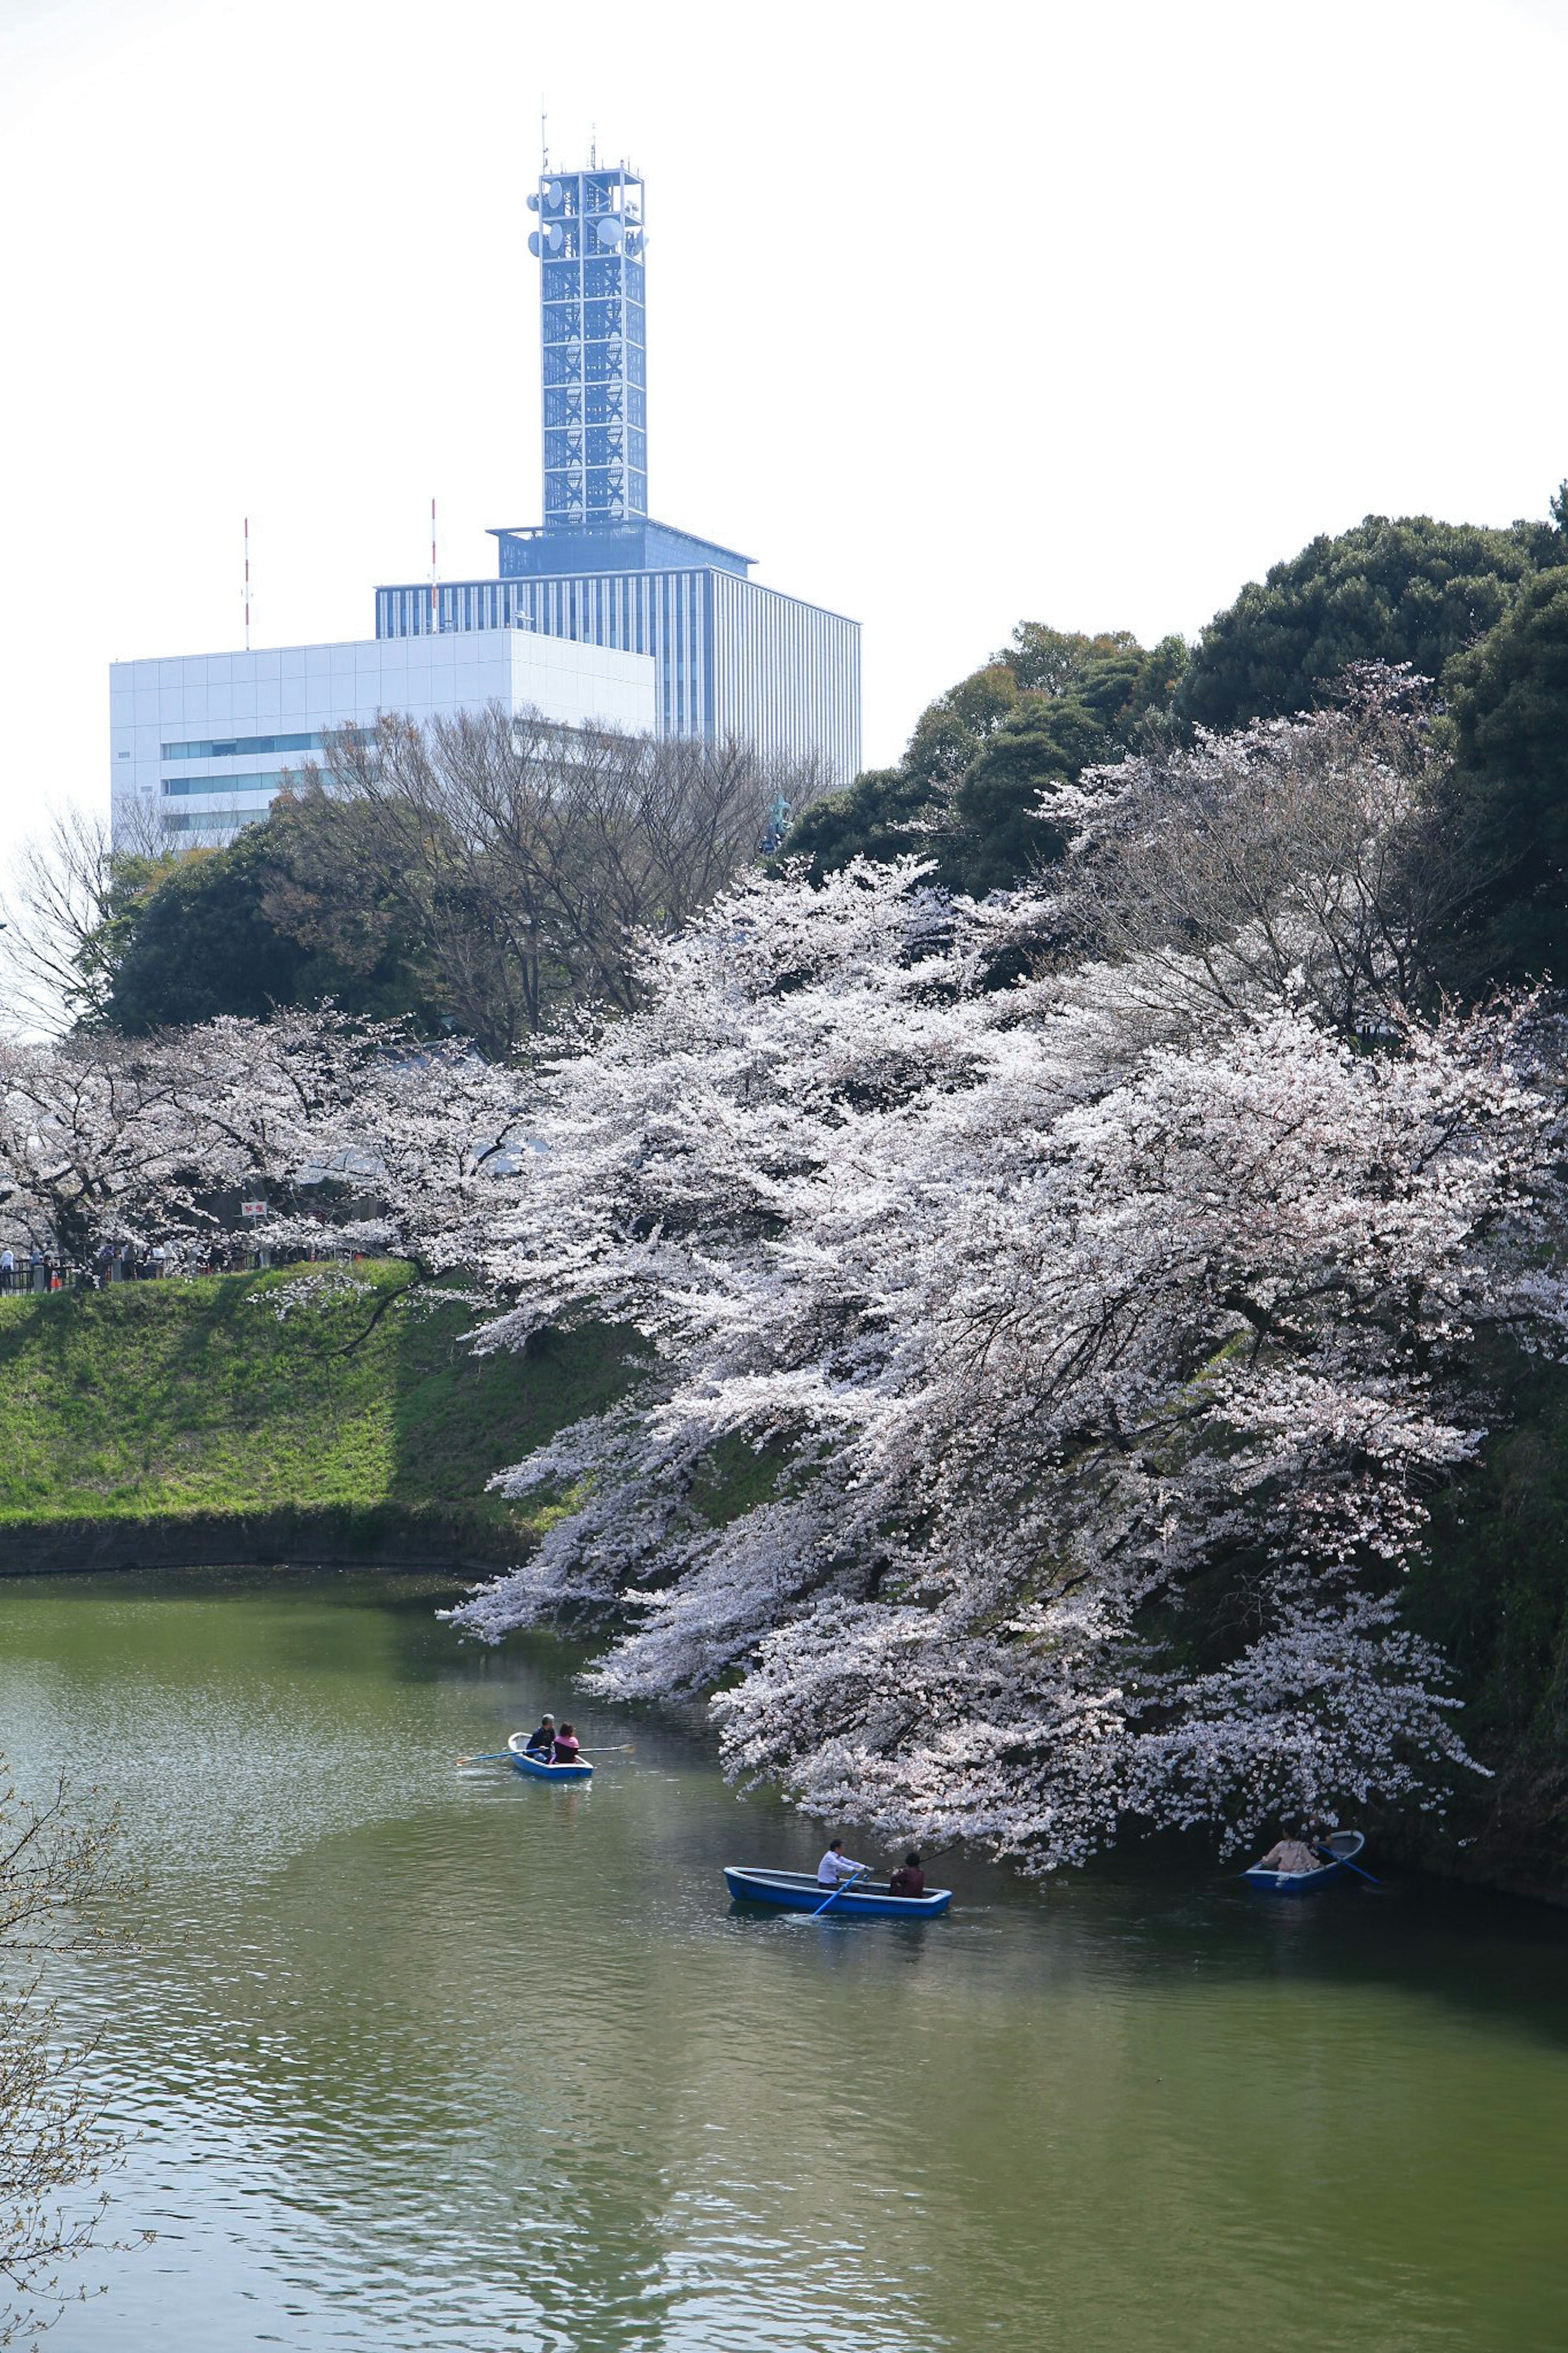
{"type": "Point", "coordinates": [200, 743]}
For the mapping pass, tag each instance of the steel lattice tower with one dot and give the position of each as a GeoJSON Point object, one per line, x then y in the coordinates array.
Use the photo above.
{"type": "Point", "coordinates": [592, 319]}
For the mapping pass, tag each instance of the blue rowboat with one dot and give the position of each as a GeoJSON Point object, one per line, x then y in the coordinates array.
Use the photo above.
{"type": "Point", "coordinates": [1343, 1845]}
{"type": "Point", "coordinates": [537, 1770]}
{"type": "Point", "coordinates": [799, 1891]}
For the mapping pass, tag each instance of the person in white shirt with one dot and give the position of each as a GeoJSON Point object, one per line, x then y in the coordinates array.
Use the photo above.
{"type": "Point", "coordinates": [836, 1866]}
{"type": "Point", "coordinates": [1292, 1856]}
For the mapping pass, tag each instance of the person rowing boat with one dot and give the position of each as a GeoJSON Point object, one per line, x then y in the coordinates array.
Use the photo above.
{"type": "Point", "coordinates": [540, 1742]}
{"type": "Point", "coordinates": [836, 1866]}
{"type": "Point", "coordinates": [1302, 1852]}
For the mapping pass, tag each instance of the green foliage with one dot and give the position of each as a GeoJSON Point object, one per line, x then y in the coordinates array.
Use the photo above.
{"type": "Point", "coordinates": [950, 731]}
{"type": "Point", "coordinates": [132, 883]}
{"type": "Point", "coordinates": [1494, 1593]}
{"type": "Point", "coordinates": [999, 837]}
{"type": "Point", "coordinates": [1048, 705]}
{"type": "Point", "coordinates": [197, 939]}
{"type": "Point", "coordinates": [1406, 590]}
{"type": "Point", "coordinates": [1052, 661]}
{"type": "Point", "coordinates": [157, 1400]}
{"type": "Point", "coordinates": [196, 942]}
{"type": "Point", "coordinates": [1110, 703]}
{"type": "Point", "coordinates": [878, 817]}
{"type": "Point", "coordinates": [1510, 701]}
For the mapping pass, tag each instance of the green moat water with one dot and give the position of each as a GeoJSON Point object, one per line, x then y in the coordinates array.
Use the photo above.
{"type": "Point", "coordinates": [420, 2059]}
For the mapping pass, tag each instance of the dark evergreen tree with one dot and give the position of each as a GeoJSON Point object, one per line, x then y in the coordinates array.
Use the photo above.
{"type": "Point", "coordinates": [1405, 590]}
{"type": "Point", "coordinates": [879, 816]}
{"type": "Point", "coordinates": [1510, 701]}
{"type": "Point", "coordinates": [201, 943]}
{"type": "Point", "coordinates": [1050, 704]}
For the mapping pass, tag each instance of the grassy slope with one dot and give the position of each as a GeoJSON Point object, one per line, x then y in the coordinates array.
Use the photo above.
{"type": "Point", "coordinates": [164, 1399]}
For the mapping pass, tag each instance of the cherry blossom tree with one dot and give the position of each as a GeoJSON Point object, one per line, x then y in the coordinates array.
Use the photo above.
{"type": "Point", "coordinates": [1049, 1319]}
{"type": "Point", "coordinates": [1326, 852]}
{"type": "Point", "coordinates": [1046, 1382]}
{"type": "Point", "coordinates": [358, 1139]}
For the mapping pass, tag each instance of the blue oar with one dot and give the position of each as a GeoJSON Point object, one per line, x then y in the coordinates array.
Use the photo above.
{"type": "Point", "coordinates": [1329, 1856]}
{"type": "Point", "coordinates": [863, 1872]}
{"type": "Point", "coordinates": [504, 1756]}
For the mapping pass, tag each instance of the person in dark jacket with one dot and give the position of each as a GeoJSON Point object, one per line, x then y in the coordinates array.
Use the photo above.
{"type": "Point", "coordinates": [542, 1743]}
{"type": "Point", "coordinates": [908, 1879]}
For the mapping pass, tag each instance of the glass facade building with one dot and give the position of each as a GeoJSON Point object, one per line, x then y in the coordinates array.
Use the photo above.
{"type": "Point", "coordinates": [730, 658]}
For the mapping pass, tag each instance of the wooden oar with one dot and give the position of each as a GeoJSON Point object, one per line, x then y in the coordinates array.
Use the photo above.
{"type": "Point", "coordinates": [1329, 1856]}
{"type": "Point", "coordinates": [853, 1881]}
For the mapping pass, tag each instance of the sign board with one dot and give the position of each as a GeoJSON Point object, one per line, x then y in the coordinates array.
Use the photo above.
{"type": "Point", "coordinates": [253, 1208]}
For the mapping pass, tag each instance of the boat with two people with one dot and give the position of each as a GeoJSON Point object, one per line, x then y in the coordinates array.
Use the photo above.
{"type": "Point", "coordinates": [802, 1891]}
{"type": "Point", "coordinates": [1296, 1873]}
{"type": "Point", "coordinates": [540, 1766]}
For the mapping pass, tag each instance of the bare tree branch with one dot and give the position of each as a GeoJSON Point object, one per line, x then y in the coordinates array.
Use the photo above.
{"type": "Point", "coordinates": [524, 860]}
{"type": "Point", "coordinates": [56, 949]}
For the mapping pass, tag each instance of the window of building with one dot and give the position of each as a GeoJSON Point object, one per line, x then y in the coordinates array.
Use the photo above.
{"type": "Point", "coordinates": [222, 787]}
{"type": "Point", "coordinates": [241, 747]}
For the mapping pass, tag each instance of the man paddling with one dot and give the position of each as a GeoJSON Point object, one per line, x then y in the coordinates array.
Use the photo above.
{"type": "Point", "coordinates": [836, 1866]}
{"type": "Point", "coordinates": [541, 1742]}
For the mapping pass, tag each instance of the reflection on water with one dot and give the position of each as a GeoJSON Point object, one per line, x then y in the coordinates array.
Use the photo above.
{"type": "Point", "coordinates": [424, 2058]}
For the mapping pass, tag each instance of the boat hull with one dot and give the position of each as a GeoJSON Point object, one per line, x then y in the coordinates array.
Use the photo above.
{"type": "Point", "coordinates": [535, 1770]}
{"type": "Point", "coordinates": [798, 1891]}
{"type": "Point", "coordinates": [1345, 1844]}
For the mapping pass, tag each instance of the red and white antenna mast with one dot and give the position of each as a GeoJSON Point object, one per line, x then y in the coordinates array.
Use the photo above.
{"type": "Point", "coordinates": [247, 583]}
{"type": "Point", "coordinates": [434, 617]}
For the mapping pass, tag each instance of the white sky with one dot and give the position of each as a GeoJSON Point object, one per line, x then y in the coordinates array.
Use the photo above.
{"type": "Point", "coordinates": [957, 314]}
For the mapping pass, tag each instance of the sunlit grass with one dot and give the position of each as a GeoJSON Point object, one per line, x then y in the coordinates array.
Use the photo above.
{"type": "Point", "coordinates": [162, 1399]}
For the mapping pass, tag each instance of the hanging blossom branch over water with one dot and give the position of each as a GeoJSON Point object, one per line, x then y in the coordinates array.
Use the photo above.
{"type": "Point", "coordinates": [1096, 1342]}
